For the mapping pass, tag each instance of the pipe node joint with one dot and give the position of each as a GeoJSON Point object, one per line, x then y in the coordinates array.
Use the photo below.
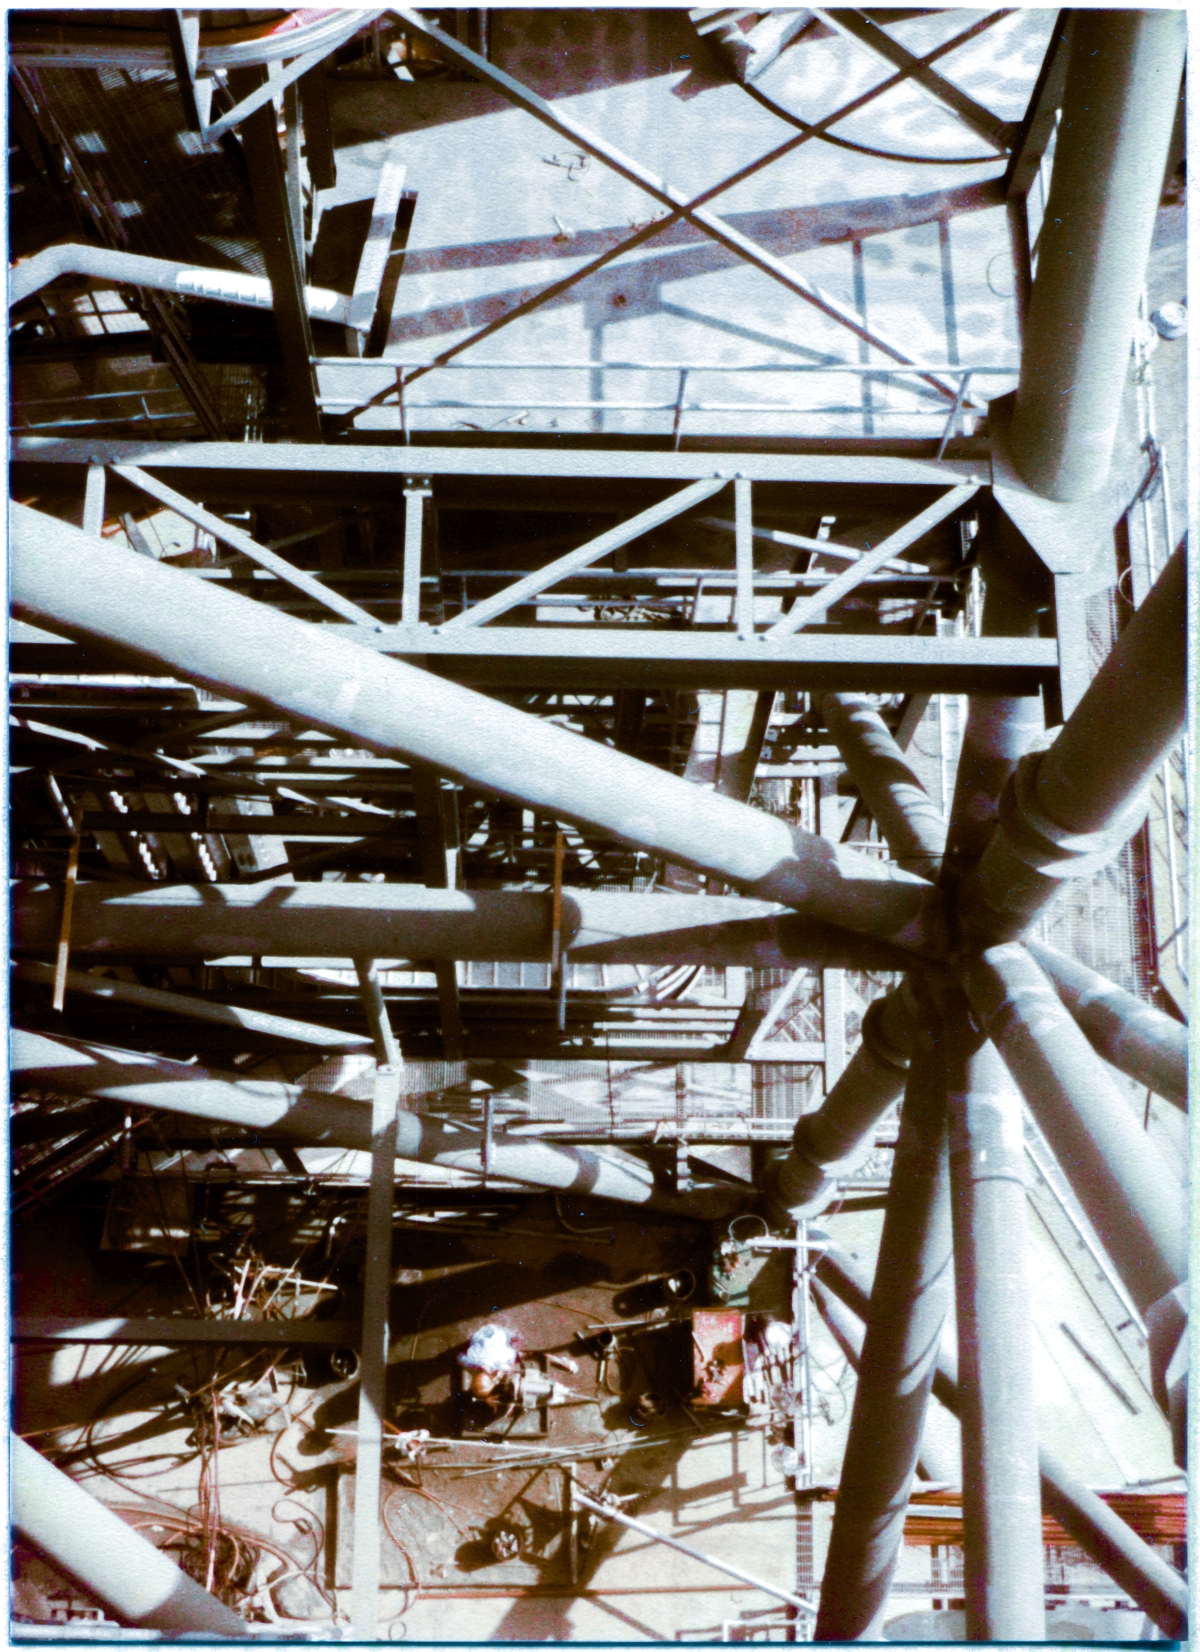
{"type": "Point", "coordinates": [874, 1036]}
{"type": "Point", "coordinates": [1050, 849]}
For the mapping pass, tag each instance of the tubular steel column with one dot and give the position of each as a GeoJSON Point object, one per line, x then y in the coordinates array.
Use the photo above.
{"type": "Point", "coordinates": [373, 1366]}
{"type": "Point", "coordinates": [1131, 1198]}
{"type": "Point", "coordinates": [1118, 110]}
{"type": "Point", "coordinates": [137, 1582]}
{"type": "Point", "coordinates": [1000, 728]}
{"type": "Point", "coordinates": [1002, 1518]}
{"type": "Point", "coordinates": [907, 1312]}
{"type": "Point", "coordinates": [1131, 1035]}
{"type": "Point", "coordinates": [216, 637]}
{"type": "Point", "coordinates": [868, 1086]}
{"type": "Point", "coordinates": [1115, 1547]}
{"type": "Point", "coordinates": [1067, 811]}
{"type": "Point", "coordinates": [887, 783]}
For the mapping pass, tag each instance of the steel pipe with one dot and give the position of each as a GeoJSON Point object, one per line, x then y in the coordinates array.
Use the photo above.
{"type": "Point", "coordinates": [906, 1314]}
{"type": "Point", "coordinates": [1119, 104]}
{"type": "Point", "coordinates": [111, 921]}
{"type": "Point", "coordinates": [1067, 811]}
{"type": "Point", "coordinates": [197, 1009]}
{"type": "Point", "coordinates": [132, 1079]}
{"type": "Point", "coordinates": [166, 275]}
{"type": "Point", "coordinates": [1131, 1035]}
{"type": "Point", "coordinates": [1132, 1564]}
{"type": "Point", "coordinates": [1131, 1197]}
{"type": "Point", "coordinates": [137, 1582]}
{"type": "Point", "coordinates": [840, 1130]}
{"type": "Point", "coordinates": [1000, 728]}
{"type": "Point", "coordinates": [1004, 1570]}
{"type": "Point", "coordinates": [620, 1518]}
{"type": "Point", "coordinates": [887, 783]}
{"type": "Point", "coordinates": [69, 580]}
{"type": "Point", "coordinates": [936, 1460]}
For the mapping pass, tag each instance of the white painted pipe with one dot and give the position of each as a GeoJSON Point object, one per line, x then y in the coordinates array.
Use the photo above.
{"type": "Point", "coordinates": [137, 1582]}
{"type": "Point", "coordinates": [164, 275]}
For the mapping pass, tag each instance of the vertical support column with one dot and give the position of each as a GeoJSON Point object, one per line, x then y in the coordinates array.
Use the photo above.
{"type": "Point", "coordinates": [1074, 654]}
{"type": "Point", "coordinates": [904, 1330]}
{"type": "Point", "coordinates": [318, 139]}
{"type": "Point", "coordinates": [439, 873]}
{"type": "Point", "coordinates": [93, 501]}
{"type": "Point", "coordinates": [744, 538]}
{"type": "Point", "coordinates": [1000, 728]}
{"type": "Point", "coordinates": [416, 492]}
{"type": "Point", "coordinates": [1002, 1511]}
{"type": "Point", "coordinates": [1119, 105]}
{"type": "Point", "coordinates": [294, 166]}
{"type": "Point", "coordinates": [283, 258]}
{"type": "Point", "coordinates": [372, 1382]}
{"type": "Point", "coordinates": [833, 1024]}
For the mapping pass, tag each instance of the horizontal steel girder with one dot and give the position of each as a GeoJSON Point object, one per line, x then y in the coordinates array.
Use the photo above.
{"type": "Point", "coordinates": [409, 921]}
{"type": "Point", "coordinates": [130, 1078]}
{"type": "Point", "coordinates": [591, 659]}
{"type": "Point", "coordinates": [87, 586]}
{"type": "Point", "coordinates": [304, 460]}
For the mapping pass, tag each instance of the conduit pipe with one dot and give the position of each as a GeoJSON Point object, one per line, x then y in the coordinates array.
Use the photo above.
{"type": "Point", "coordinates": [165, 275]}
{"type": "Point", "coordinates": [1131, 1035]}
{"type": "Point", "coordinates": [1131, 1197]}
{"type": "Point", "coordinates": [904, 1329]}
{"type": "Point", "coordinates": [70, 581]}
{"type": "Point", "coordinates": [1067, 811]}
{"type": "Point", "coordinates": [132, 1079]}
{"type": "Point", "coordinates": [1132, 1564]}
{"type": "Point", "coordinates": [1003, 1563]}
{"type": "Point", "coordinates": [840, 1130]}
{"type": "Point", "coordinates": [111, 921]}
{"type": "Point", "coordinates": [887, 783]}
{"type": "Point", "coordinates": [137, 1582]}
{"type": "Point", "coordinates": [1119, 104]}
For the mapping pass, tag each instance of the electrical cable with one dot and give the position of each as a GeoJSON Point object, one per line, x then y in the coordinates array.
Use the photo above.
{"type": "Point", "coordinates": [865, 148]}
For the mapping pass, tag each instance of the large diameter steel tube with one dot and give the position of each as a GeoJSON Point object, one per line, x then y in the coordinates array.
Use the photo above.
{"type": "Point", "coordinates": [1004, 1570]}
{"type": "Point", "coordinates": [1000, 728]}
{"type": "Point", "coordinates": [1119, 105]}
{"type": "Point", "coordinates": [137, 1582]}
{"type": "Point", "coordinates": [405, 920]}
{"type": "Point", "coordinates": [1131, 1035]}
{"type": "Point", "coordinates": [70, 581]}
{"type": "Point", "coordinates": [1132, 1564]}
{"type": "Point", "coordinates": [842, 1126]}
{"type": "Point", "coordinates": [937, 1460]}
{"type": "Point", "coordinates": [1131, 1197]}
{"type": "Point", "coordinates": [1067, 811]}
{"type": "Point", "coordinates": [906, 1314]}
{"type": "Point", "coordinates": [40, 1061]}
{"type": "Point", "coordinates": [887, 783]}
